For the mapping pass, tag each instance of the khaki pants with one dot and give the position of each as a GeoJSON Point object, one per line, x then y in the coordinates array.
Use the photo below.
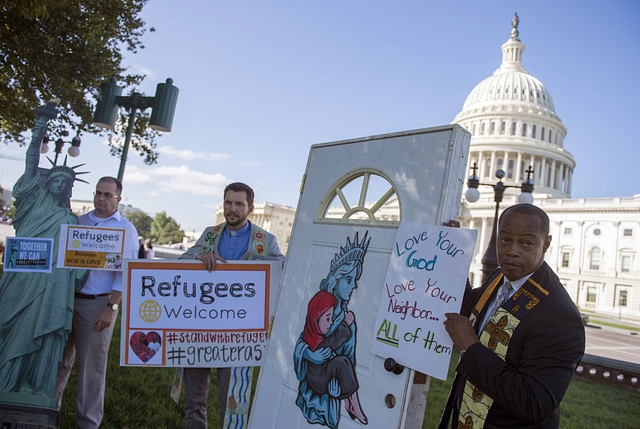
{"type": "Point", "coordinates": [91, 348]}
{"type": "Point", "coordinates": [196, 382]}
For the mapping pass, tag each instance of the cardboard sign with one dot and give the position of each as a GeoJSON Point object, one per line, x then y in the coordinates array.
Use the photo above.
{"type": "Point", "coordinates": [26, 254]}
{"type": "Point", "coordinates": [91, 247]}
{"type": "Point", "coordinates": [426, 278]}
{"type": "Point", "coordinates": [177, 314]}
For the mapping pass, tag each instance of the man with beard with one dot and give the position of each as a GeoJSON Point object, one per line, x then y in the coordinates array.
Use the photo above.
{"type": "Point", "coordinates": [235, 239]}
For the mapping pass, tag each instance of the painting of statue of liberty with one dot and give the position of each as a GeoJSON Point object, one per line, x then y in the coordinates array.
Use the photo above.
{"type": "Point", "coordinates": [325, 353]}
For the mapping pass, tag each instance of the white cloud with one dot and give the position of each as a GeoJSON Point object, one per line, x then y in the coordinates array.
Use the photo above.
{"type": "Point", "coordinates": [180, 179]}
{"type": "Point", "coordinates": [138, 68]}
{"type": "Point", "coordinates": [188, 154]}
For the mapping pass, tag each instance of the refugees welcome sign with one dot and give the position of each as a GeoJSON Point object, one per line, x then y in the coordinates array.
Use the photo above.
{"type": "Point", "coordinates": [179, 314]}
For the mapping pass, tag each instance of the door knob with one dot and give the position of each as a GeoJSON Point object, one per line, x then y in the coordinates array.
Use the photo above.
{"type": "Point", "coordinates": [392, 366]}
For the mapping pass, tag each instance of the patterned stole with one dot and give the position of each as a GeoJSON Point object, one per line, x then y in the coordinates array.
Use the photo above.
{"type": "Point", "coordinates": [237, 412]}
{"type": "Point", "coordinates": [258, 246]}
{"type": "Point", "coordinates": [496, 336]}
{"type": "Point", "coordinates": [238, 395]}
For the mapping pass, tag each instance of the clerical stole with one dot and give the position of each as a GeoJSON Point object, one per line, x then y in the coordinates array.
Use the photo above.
{"type": "Point", "coordinates": [258, 246]}
{"type": "Point", "coordinates": [496, 336]}
{"type": "Point", "coordinates": [240, 380]}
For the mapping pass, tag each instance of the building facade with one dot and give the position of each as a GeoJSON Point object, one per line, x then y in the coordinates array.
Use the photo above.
{"type": "Point", "coordinates": [514, 126]}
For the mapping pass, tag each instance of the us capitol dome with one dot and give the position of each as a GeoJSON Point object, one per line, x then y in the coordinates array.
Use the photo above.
{"type": "Point", "coordinates": [514, 124]}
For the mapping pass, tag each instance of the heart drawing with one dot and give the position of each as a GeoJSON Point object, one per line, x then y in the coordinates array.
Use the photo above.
{"type": "Point", "coordinates": [145, 346]}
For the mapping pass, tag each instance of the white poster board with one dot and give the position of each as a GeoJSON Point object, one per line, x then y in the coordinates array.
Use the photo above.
{"type": "Point", "coordinates": [177, 314]}
{"type": "Point", "coordinates": [425, 279]}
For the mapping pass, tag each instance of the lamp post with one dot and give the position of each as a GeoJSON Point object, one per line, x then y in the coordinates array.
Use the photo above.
{"type": "Point", "coordinates": [490, 258]}
{"type": "Point", "coordinates": [74, 150]}
{"type": "Point", "coordinates": [110, 99]}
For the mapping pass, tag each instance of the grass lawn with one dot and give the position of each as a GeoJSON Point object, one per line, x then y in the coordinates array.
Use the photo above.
{"type": "Point", "coordinates": [138, 398]}
{"type": "Point", "coordinates": [587, 404]}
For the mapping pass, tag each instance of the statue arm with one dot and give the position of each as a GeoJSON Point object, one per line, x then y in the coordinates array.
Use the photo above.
{"type": "Point", "coordinates": [44, 114]}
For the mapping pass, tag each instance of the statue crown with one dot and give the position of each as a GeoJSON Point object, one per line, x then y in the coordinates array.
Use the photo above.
{"type": "Point", "coordinates": [352, 251]}
{"type": "Point", "coordinates": [66, 170]}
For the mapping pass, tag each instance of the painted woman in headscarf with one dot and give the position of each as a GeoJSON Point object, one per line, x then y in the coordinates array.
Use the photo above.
{"type": "Point", "coordinates": [324, 357]}
{"type": "Point", "coordinates": [36, 308]}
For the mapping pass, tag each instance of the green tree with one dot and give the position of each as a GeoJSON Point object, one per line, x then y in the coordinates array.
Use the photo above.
{"type": "Point", "coordinates": [65, 50]}
{"type": "Point", "coordinates": [140, 220]}
{"type": "Point", "coordinates": [165, 229]}
{"type": "Point", "coordinates": [11, 210]}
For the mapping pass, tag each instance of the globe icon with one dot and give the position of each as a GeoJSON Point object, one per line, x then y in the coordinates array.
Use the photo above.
{"type": "Point", "coordinates": [150, 311]}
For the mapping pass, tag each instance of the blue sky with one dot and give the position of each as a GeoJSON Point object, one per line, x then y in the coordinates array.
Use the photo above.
{"type": "Point", "coordinates": [261, 81]}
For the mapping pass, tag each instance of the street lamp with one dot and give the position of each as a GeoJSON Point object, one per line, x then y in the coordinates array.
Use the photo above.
{"type": "Point", "coordinates": [74, 150]}
{"type": "Point", "coordinates": [163, 108]}
{"type": "Point", "coordinates": [490, 259]}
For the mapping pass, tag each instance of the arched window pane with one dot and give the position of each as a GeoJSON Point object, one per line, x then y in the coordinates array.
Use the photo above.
{"type": "Point", "coordinates": [594, 263]}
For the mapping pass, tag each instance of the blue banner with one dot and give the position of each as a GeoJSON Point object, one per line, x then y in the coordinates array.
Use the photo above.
{"type": "Point", "coordinates": [27, 254]}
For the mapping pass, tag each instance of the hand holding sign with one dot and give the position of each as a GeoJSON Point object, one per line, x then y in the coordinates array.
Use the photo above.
{"type": "Point", "coordinates": [460, 330]}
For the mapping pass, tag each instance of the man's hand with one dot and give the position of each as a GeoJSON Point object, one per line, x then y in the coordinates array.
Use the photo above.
{"type": "Point", "coordinates": [452, 223]}
{"type": "Point", "coordinates": [209, 260]}
{"type": "Point", "coordinates": [105, 319]}
{"type": "Point", "coordinates": [460, 330]}
{"type": "Point", "coordinates": [108, 316]}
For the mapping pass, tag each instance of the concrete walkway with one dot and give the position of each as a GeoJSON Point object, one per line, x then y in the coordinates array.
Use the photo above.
{"type": "Point", "coordinates": [613, 342]}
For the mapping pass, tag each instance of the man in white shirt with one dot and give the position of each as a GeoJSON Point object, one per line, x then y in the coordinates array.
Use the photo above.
{"type": "Point", "coordinates": [95, 311]}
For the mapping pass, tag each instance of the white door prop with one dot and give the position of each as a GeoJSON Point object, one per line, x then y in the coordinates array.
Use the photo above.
{"type": "Point", "coordinates": [426, 278]}
{"type": "Point", "coordinates": [319, 369]}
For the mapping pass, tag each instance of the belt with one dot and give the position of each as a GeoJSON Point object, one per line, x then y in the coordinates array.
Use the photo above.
{"type": "Point", "coordinates": [84, 296]}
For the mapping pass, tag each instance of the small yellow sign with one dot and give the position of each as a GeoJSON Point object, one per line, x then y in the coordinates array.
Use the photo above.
{"type": "Point", "coordinates": [91, 247]}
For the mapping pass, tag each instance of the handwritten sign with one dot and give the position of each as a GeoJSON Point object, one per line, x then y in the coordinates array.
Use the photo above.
{"type": "Point", "coordinates": [25, 254]}
{"type": "Point", "coordinates": [177, 314]}
{"type": "Point", "coordinates": [91, 247]}
{"type": "Point", "coordinates": [426, 278]}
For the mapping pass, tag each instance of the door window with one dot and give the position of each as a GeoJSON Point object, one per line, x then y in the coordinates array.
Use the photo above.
{"type": "Point", "coordinates": [363, 196]}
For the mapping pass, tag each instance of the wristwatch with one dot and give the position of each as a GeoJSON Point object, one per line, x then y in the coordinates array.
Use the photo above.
{"type": "Point", "coordinates": [114, 307]}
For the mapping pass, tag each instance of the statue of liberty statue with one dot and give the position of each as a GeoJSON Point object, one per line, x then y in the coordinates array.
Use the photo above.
{"type": "Point", "coordinates": [36, 308]}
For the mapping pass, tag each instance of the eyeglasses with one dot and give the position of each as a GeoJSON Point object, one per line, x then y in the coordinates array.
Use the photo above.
{"type": "Point", "coordinates": [106, 195]}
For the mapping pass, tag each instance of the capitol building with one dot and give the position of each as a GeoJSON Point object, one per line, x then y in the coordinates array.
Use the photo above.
{"type": "Point", "coordinates": [515, 128]}
{"type": "Point", "coordinates": [514, 125]}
